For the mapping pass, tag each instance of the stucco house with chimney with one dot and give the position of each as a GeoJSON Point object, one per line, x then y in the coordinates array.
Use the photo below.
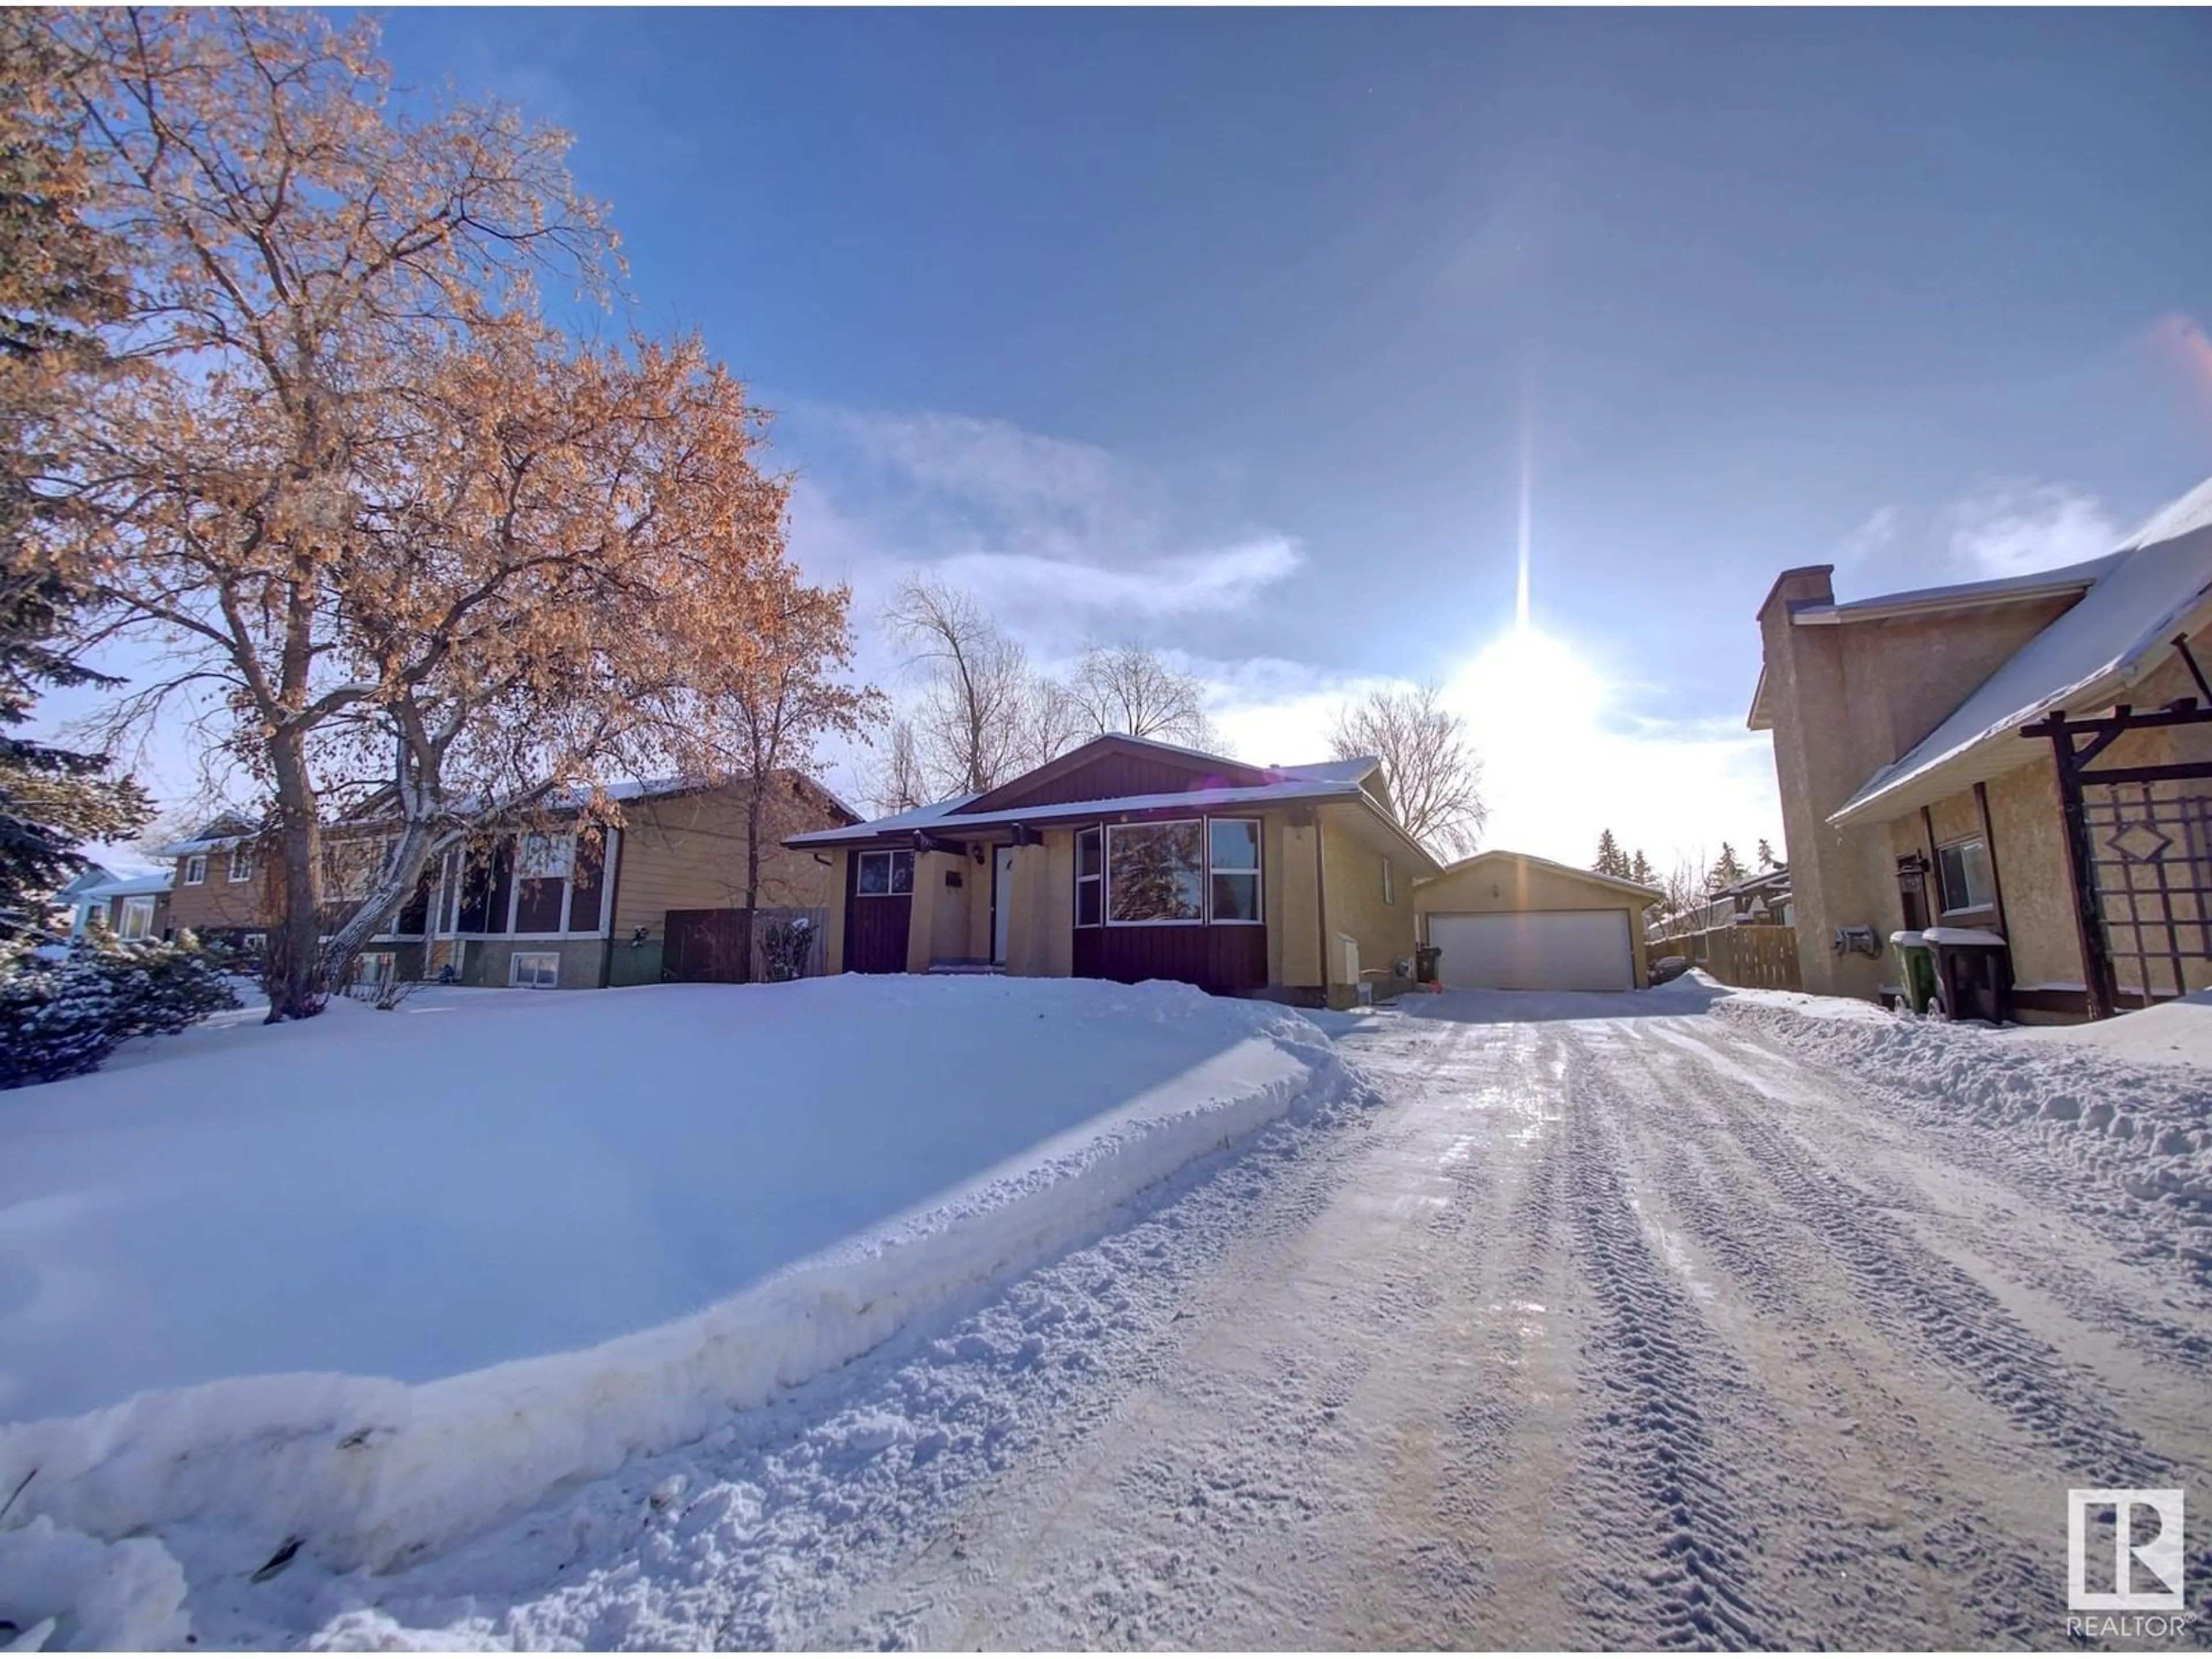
{"type": "Point", "coordinates": [2020, 769]}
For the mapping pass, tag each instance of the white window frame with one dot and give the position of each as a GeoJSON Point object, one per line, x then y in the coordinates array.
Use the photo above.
{"type": "Point", "coordinates": [1205, 866]}
{"type": "Point", "coordinates": [374, 970]}
{"type": "Point", "coordinates": [1256, 871]}
{"type": "Point", "coordinates": [194, 869]}
{"type": "Point", "coordinates": [256, 943]}
{"type": "Point", "coordinates": [515, 970]}
{"type": "Point", "coordinates": [242, 863]}
{"type": "Point", "coordinates": [1973, 906]}
{"type": "Point", "coordinates": [136, 905]}
{"type": "Point", "coordinates": [891, 855]}
{"type": "Point", "coordinates": [1097, 880]}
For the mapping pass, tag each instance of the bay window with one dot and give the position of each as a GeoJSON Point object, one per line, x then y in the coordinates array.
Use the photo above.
{"type": "Point", "coordinates": [1155, 872]}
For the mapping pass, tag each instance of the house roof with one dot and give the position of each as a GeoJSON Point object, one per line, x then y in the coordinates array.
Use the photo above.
{"type": "Point", "coordinates": [1634, 888]}
{"type": "Point", "coordinates": [128, 887]}
{"type": "Point", "coordinates": [1320, 781]}
{"type": "Point", "coordinates": [2156, 585]}
{"type": "Point", "coordinates": [229, 831]}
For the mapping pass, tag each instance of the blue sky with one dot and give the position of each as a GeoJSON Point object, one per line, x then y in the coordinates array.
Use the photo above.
{"type": "Point", "coordinates": [1224, 330]}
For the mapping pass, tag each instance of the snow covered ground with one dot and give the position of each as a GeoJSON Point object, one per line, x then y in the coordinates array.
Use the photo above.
{"type": "Point", "coordinates": [372, 1281]}
{"type": "Point", "coordinates": [1638, 1321]}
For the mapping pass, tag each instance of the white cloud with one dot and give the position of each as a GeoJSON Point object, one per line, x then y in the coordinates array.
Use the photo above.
{"type": "Point", "coordinates": [2012, 527]}
{"type": "Point", "coordinates": [1064, 541]}
{"type": "Point", "coordinates": [1879, 532]}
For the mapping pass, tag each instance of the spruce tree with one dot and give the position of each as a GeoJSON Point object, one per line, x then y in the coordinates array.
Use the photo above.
{"type": "Point", "coordinates": [1727, 870]}
{"type": "Point", "coordinates": [1766, 859]}
{"type": "Point", "coordinates": [1640, 869]}
{"type": "Point", "coordinates": [57, 283]}
{"type": "Point", "coordinates": [1609, 860]}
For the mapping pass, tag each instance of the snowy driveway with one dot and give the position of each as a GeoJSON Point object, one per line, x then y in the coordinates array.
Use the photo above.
{"type": "Point", "coordinates": [1624, 1331]}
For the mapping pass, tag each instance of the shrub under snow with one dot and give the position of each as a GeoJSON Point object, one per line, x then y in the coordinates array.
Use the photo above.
{"type": "Point", "coordinates": [63, 1019]}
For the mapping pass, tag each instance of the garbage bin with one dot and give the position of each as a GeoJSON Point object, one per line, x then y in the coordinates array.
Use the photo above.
{"type": "Point", "coordinates": [1915, 964]}
{"type": "Point", "coordinates": [1426, 958]}
{"type": "Point", "coordinates": [1973, 972]}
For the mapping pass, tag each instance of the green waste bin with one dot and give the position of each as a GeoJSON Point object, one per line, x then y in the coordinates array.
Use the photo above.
{"type": "Point", "coordinates": [1915, 962]}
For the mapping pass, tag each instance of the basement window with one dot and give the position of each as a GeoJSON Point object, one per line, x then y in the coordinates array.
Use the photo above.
{"type": "Point", "coordinates": [535, 970]}
{"type": "Point", "coordinates": [1963, 868]}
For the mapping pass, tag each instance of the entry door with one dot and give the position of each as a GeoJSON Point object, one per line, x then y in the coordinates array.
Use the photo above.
{"type": "Point", "coordinates": [1002, 896]}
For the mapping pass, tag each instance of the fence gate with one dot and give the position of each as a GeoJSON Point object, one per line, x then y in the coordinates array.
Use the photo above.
{"type": "Point", "coordinates": [2139, 849]}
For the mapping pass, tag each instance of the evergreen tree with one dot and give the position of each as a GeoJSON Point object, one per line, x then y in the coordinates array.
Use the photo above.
{"type": "Point", "coordinates": [1727, 870]}
{"type": "Point", "coordinates": [65, 1018]}
{"type": "Point", "coordinates": [58, 282]}
{"type": "Point", "coordinates": [1766, 859]}
{"type": "Point", "coordinates": [1610, 861]}
{"type": "Point", "coordinates": [1640, 869]}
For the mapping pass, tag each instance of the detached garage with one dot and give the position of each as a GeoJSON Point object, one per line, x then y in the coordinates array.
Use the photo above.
{"type": "Point", "coordinates": [1506, 921]}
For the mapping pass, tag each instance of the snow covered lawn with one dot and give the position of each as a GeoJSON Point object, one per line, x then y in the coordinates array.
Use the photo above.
{"type": "Point", "coordinates": [374, 1280]}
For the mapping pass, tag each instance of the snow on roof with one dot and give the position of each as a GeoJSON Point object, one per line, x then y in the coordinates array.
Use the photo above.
{"type": "Point", "coordinates": [946, 815]}
{"type": "Point", "coordinates": [2028, 584]}
{"type": "Point", "coordinates": [128, 887]}
{"type": "Point", "coordinates": [2118, 630]}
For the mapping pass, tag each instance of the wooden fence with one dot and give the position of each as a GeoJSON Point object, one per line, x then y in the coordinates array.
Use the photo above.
{"type": "Point", "coordinates": [709, 945]}
{"type": "Point", "coordinates": [1759, 956]}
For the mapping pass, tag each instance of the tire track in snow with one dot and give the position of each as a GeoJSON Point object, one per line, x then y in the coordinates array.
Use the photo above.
{"type": "Point", "coordinates": [1661, 1496]}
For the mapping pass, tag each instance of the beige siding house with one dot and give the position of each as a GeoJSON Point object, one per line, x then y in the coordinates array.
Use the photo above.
{"type": "Point", "coordinates": [1131, 859]}
{"type": "Point", "coordinates": [563, 904]}
{"type": "Point", "coordinates": [1923, 792]}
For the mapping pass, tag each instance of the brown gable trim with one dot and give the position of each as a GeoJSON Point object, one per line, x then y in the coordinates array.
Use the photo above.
{"type": "Point", "coordinates": [1036, 785]}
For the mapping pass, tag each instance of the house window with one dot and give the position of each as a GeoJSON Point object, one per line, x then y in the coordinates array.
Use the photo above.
{"type": "Point", "coordinates": [1233, 854]}
{"type": "Point", "coordinates": [353, 866]}
{"type": "Point", "coordinates": [253, 944]}
{"type": "Point", "coordinates": [1089, 878]}
{"type": "Point", "coordinates": [374, 970]}
{"type": "Point", "coordinates": [886, 875]}
{"type": "Point", "coordinates": [1389, 884]}
{"type": "Point", "coordinates": [1963, 868]}
{"type": "Point", "coordinates": [546, 855]}
{"type": "Point", "coordinates": [138, 918]}
{"type": "Point", "coordinates": [195, 869]}
{"type": "Point", "coordinates": [242, 864]}
{"type": "Point", "coordinates": [1155, 872]}
{"type": "Point", "coordinates": [534, 970]}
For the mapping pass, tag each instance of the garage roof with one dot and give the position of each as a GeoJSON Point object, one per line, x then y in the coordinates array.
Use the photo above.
{"type": "Point", "coordinates": [1628, 889]}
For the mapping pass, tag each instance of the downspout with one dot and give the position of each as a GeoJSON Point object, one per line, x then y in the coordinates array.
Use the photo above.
{"type": "Point", "coordinates": [614, 908]}
{"type": "Point", "coordinates": [1989, 842]}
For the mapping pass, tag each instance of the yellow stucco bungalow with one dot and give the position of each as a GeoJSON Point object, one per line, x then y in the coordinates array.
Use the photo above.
{"type": "Point", "coordinates": [1128, 860]}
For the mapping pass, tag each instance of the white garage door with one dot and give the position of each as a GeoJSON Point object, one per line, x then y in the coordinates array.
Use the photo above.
{"type": "Point", "coordinates": [1535, 951]}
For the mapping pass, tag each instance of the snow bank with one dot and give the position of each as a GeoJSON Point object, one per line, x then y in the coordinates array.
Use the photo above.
{"type": "Point", "coordinates": [2080, 1094]}
{"type": "Point", "coordinates": [721, 1191]}
{"type": "Point", "coordinates": [2178, 1033]}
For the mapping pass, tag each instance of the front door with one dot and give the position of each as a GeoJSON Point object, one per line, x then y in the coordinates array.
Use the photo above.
{"type": "Point", "coordinates": [1002, 895]}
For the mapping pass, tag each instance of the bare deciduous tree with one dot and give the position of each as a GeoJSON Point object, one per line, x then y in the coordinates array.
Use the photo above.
{"type": "Point", "coordinates": [1131, 687]}
{"type": "Point", "coordinates": [1435, 776]}
{"type": "Point", "coordinates": [898, 782]}
{"type": "Point", "coordinates": [760, 711]}
{"type": "Point", "coordinates": [982, 715]}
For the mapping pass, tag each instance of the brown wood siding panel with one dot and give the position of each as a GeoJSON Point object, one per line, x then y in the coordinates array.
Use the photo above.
{"type": "Point", "coordinates": [1217, 959]}
{"type": "Point", "coordinates": [1112, 777]}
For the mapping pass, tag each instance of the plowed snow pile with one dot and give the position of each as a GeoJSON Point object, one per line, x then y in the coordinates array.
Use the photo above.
{"type": "Point", "coordinates": [375, 1281]}
{"type": "Point", "coordinates": [2119, 1106]}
